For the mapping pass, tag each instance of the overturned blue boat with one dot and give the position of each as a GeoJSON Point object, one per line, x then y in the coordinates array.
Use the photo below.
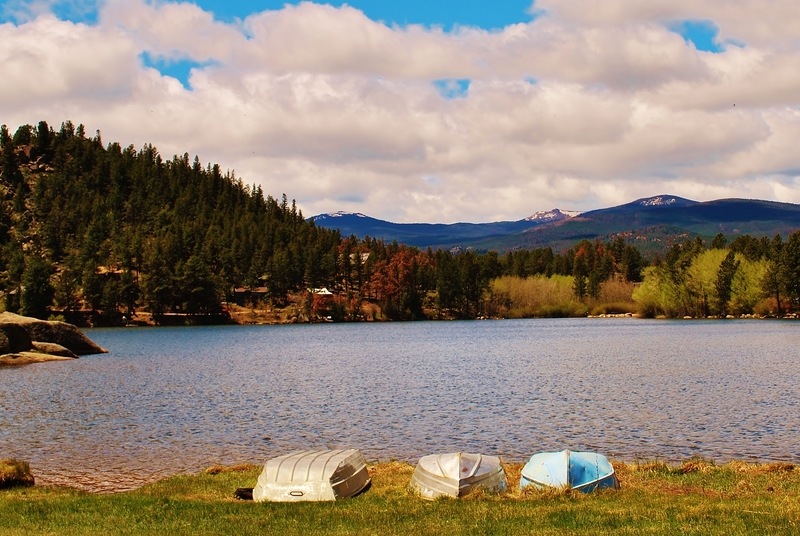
{"type": "Point", "coordinates": [583, 471]}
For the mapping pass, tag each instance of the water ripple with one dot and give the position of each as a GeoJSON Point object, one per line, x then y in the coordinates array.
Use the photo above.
{"type": "Point", "coordinates": [173, 400]}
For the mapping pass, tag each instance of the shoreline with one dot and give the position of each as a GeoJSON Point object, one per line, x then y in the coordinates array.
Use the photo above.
{"type": "Point", "coordinates": [19, 359]}
{"type": "Point", "coordinates": [257, 318]}
{"type": "Point", "coordinates": [108, 488]}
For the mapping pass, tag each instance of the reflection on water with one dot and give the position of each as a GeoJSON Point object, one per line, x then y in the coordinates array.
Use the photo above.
{"type": "Point", "coordinates": [170, 400]}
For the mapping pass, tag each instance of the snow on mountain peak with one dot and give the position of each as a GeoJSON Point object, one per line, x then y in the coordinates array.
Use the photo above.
{"type": "Point", "coordinates": [658, 201]}
{"type": "Point", "coordinates": [552, 215]}
{"type": "Point", "coordinates": [339, 214]}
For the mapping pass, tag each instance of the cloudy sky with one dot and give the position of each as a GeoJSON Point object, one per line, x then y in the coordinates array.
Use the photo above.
{"type": "Point", "coordinates": [429, 111]}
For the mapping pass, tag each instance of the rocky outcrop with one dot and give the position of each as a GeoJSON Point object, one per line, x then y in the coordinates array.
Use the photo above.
{"type": "Point", "coordinates": [28, 340]}
{"type": "Point", "coordinates": [14, 338]}
{"type": "Point", "coordinates": [26, 358]}
{"type": "Point", "coordinates": [53, 349]}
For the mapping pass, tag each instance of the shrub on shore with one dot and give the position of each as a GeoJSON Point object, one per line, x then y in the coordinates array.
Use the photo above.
{"type": "Point", "coordinates": [15, 473]}
{"type": "Point", "coordinates": [553, 297]}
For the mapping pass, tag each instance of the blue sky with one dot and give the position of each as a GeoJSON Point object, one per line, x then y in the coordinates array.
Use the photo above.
{"type": "Point", "coordinates": [701, 33]}
{"type": "Point", "coordinates": [405, 115]}
{"type": "Point", "coordinates": [447, 13]}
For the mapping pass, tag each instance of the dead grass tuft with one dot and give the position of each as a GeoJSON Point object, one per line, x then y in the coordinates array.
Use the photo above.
{"type": "Point", "coordinates": [761, 468]}
{"type": "Point", "coordinates": [513, 472]}
{"type": "Point", "coordinates": [477, 494]}
{"type": "Point", "coordinates": [392, 476]}
{"type": "Point", "coordinates": [744, 486]}
{"type": "Point", "coordinates": [391, 469]}
{"type": "Point", "coordinates": [697, 465]}
{"type": "Point", "coordinates": [534, 493]}
{"type": "Point", "coordinates": [239, 468]}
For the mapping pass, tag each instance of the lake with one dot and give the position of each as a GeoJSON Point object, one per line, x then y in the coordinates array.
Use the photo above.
{"type": "Point", "coordinates": [171, 400]}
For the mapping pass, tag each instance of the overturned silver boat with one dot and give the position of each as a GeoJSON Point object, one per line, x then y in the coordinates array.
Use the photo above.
{"type": "Point", "coordinates": [312, 475]}
{"type": "Point", "coordinates": [456, 474]}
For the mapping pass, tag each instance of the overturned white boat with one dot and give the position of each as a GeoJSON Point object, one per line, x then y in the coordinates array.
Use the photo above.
{"type": "Point", "coordinates": [457, 473]}
{"type": "Point", "coordinates": [312, 475]}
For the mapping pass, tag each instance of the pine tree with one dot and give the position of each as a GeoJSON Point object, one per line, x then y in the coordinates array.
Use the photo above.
{"type": "Point", "coordinates": [725, 274]}
{"type": "Point", "coordinates": [37, 294]}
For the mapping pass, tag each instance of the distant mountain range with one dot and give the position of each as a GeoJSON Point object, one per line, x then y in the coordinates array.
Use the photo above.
{"type": "Point", "coordinates": [653, 223]}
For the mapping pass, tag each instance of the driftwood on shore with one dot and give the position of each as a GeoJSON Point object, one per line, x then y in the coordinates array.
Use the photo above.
{"type": "Point", "coordinates": [26, 340]}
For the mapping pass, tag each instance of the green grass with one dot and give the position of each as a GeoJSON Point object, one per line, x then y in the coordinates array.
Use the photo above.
{"type": "Point", "coordinates": [696, 497]}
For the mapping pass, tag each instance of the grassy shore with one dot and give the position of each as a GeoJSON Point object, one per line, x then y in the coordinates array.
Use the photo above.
{"type": "Point", "coordinates": [696, 497]}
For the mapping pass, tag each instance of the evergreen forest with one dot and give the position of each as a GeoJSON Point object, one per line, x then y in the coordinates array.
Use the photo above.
{"type": "Point", "coordinates": [99, 234]}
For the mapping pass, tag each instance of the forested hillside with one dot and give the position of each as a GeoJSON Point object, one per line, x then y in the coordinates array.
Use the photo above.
{"type": "Point", "coordinates": [116, 229]}
{"type": "Point", "coordinates": [109, 231]}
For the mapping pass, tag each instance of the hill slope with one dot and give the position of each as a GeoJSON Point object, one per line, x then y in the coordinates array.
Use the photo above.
{"type": "Point", "coordinates": [84, 226]}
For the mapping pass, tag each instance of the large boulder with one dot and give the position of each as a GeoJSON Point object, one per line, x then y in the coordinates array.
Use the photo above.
{"type": "Point", "coordinates": [14, 338]}
{"type": "Point", "coordinates": [60, 333]}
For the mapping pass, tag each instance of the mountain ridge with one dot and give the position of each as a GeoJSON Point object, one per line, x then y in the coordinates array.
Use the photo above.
{"type": "Point", "coordinates": [652, 222]}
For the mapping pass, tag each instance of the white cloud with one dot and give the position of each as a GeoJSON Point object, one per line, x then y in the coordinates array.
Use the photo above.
{"type": "Point", "coordinates": [755, 22]}
{"type": "Point", "coordinates": [48, 59]}
{"type": "Point", "coordinates": [581, 108]}
{"type": "Point", "coordinates": [173, 30]}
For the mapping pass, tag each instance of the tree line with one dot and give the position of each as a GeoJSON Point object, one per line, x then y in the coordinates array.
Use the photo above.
{"type": "Point", "coordinates": [114, 230]}
{"type": "Point", "coordinates": [750, 275]}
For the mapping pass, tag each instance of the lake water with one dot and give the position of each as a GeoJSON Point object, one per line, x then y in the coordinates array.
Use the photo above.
{"type": "Point", "coordinates": [170, 400]}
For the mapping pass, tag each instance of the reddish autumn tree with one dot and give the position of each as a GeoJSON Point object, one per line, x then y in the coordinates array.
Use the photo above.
{"type": "Point", "coordinates": [401, 282]}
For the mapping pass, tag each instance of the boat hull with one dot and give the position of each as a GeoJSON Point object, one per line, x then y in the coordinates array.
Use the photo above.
{"type": "Point", "coordinates": [312, 475]}
{"type": "Point", "coordinates": [582, 471]}
{"type": "Point", "coordinates": [456, 474]}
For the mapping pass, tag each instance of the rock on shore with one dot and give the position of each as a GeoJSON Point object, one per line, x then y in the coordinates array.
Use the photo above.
{"type": "Point", "coordinates": [26, 340]}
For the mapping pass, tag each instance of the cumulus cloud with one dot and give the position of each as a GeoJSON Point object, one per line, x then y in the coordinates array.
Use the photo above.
{"type": "Point", "coordinates": [589, 105]}
{"type": "Point", "coordinates": [762, 23]}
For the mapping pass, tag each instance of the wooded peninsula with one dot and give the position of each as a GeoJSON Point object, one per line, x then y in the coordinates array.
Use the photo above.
{"type": "Point", "coordinates": [105, 234]}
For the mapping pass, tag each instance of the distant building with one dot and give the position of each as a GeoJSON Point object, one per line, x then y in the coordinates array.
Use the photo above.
{"type": "Point", "coordinates": [245, 295]}
{"type": "Point", "coordinates": [321, 291]}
